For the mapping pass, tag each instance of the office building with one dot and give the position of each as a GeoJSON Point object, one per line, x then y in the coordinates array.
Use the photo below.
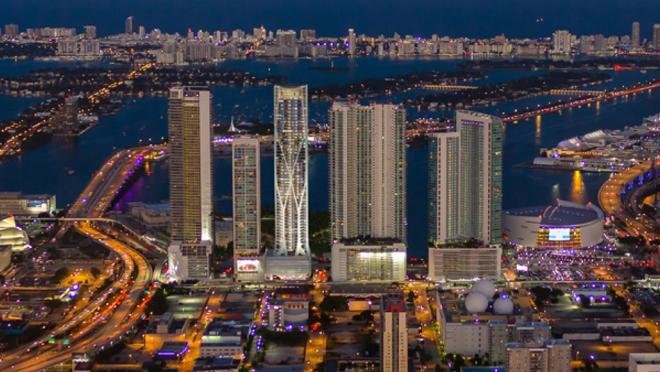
{"type": "Point", "coordinates": [643, 362]}
{"type": "Point", "coordinates": [480, 182]}
{"type": "Point", "coordinates": [17, 204]}
{"type": "Point", "coordinates": [191, 183]}
{"type": "Point", "coordinates": [444, 211]}
{"type": "Point", "coordinates": [561, 42]}
{"type": "Point", "coordinates": [11, 29]}
{"type": "Point", "coordinates": [635, 38]}
{"type": "Point", "coordinates": [80, 48]}
{"type": "Point", "coordinates": [352, 42]}
{"type": "Point", "coordinates": [128, 25]}
{"type": "Point", "coordinates": [369, 260]}
{"type": "Point", "coordinates": [246, 182]}
{"type": "Point", "coordinates": [454, 262]}
{"type": "Point", "coordinates": [291, 189]}
{"type": "Point", "coordinates": [394, 334]}
{"type": "Point", "coordinates": [367, 171]}
{"type": "Point", "coordinates": [656, 36]}
{"type": "Point", "coordinates": [551, 356]}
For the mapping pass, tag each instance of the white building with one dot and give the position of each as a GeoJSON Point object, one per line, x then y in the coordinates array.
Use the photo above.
{"type": "Point", "coordinates": [643, 362]}
{"type": "Point", "coordinates": [191, 183]}
{"type": "Point", "coordinates": [367, 158]}
{"type": "Point", "coordinates": [635, 40]}
{"type": "Point", "coordinates": [444, 164]}
{"type": "Point", "coordinates": [561, 42]}
{"type": "Point", "coordinates": [394, 334]}
{"type": "Point", "coordinates": [453, 263]}
{"type": "Point", "coordinates": [291, 189]}
{"type": "Point", "coordinates": [352, 42]}
{"type": "Point", "coordinates": [13, 236]}
{"type": "Point", "coordinates": [551, 356]}
{"type": "Point", "coordinates": [369, 260]}
{"type": "Point", "coordinates": [480, 183]}
{"type": "Point", "coordinates": [563, 225]}
{"type": "Point", "coordinates": [246, 181]}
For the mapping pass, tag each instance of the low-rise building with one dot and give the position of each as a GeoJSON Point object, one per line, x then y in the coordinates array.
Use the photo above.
{"type": "Point", "coordinates": [17, 204]}
{"type": "Point", "coordinates": [368, 260]}
{"type": "Point", "coordinates": [455, 263]}
{"type": "Point", "coordinates": [12, 235]}
{"type": "Point", "coordinates": [644, 362]}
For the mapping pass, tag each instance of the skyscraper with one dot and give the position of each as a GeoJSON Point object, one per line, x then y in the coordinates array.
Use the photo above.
{"type": "Point", "coordinates": [480, 187]}
{"type": "Point", "coordinates": [393, 334]}
{"type": "Point", "coordinates": [11, 29]}
{"type": "Point", "coordinates": [444, 208]}
{"type": "Point", "coordinates": [191, 182]}
{"type": "Point", "coordinates": [128, 25]}
{"type": "Point", "coordinates": [561, 42]}
{"type": "Point", "coordinates": [352, 42]}
{"type": "Point", "coordinates": [367, 171]}
{"type": "Point", "coordinates": [634, 36]}
{"type": "Point", "coordinates": [656, 36]}
{"type": "Point", "coordinates": [291, 190]}
{"type": "Point", "coordinates": [246, 180]}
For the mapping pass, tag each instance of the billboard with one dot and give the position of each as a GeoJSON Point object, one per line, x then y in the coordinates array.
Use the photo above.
{"type": "Point", "coordinates": [559, 234]}
{"type": "Point", "coordinates": [248, 265]}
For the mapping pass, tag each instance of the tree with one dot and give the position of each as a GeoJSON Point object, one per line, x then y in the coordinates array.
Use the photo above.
{"type": "Point", "coordinates": [61, 274]}
{"type": "Point", "coordinates": [585, 301]}
{"type": "Point", "coordinates": [158, 303]}
{"type": "Point", "coordinates": [95, 272]}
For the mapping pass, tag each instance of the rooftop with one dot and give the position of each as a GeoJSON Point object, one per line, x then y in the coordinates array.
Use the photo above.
{"type": "Point", "coordinates": [561, 214]}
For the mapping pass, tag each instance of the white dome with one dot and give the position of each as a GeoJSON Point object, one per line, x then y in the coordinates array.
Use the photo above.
{"type": "Point", "coordinates": [476, 302]}
{"type": "Point", "coordinates": [503, 305]}
{"type": "Point", "coordinates": [485, 287]}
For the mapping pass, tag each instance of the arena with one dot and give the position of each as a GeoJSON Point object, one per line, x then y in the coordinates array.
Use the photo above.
{"type": "Point", "coordinates": [563, 225]}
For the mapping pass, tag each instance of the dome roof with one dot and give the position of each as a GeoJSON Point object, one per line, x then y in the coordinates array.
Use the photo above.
{"type": "Point", "coordinates": [485, 287]}
{"type": "Point", "coordinates": [476, 302]}
{"type": "Point", "coordinates": [503, 305]}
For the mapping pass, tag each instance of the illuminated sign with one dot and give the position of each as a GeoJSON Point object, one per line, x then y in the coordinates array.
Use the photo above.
{"type": "Point", "coordinates": [248, 265]}
{"type": "Point", "coordinates": [559, 235]}
{"type": "Point", "coordinates": [522, 268]}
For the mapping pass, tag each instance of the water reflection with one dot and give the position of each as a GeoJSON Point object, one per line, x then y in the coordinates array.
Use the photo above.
{"type": "Point", "coordinates": [578, 192]}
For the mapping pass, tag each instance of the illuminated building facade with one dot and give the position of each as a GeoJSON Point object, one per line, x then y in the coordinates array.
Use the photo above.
{"type": "Point", "coordinates": [191, 183]}
{"type": "Point", "coordinates": [444, 164]}
{"type": "Point", "coordinates": [563, 225]}
{"type": "Point", "coordinates": [246, 182]}
{"type": "Point", "coordinates": [454, 263]}
{"type": "Point", "coordinates": [291, 189]}
{"type": "Point", "coordinates": [369, 260]}
{"type": "Point", "coordinates": [367, 157]}
{"type": "Point", "coordinates": [394, 334]}
{"type": "Point", "coordinates": [17, 204]}
{"type": "Point", "coordinates": [480, 182]}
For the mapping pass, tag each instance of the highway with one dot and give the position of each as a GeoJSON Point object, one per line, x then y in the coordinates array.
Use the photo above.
{"type": "Point", "coordinates": [609, 198]}
{"type": "Point", "coordinates": [116, 309]}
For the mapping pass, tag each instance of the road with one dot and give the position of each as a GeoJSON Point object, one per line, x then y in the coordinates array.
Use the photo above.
{"type": "Point", "coordinates": [116, 309]}
{"type": "Point", "coordinates": [609, 198]}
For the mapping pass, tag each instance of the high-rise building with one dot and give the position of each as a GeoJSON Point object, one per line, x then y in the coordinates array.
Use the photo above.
{"type": "Point", "coordinates": [352, 42]}
{"type": "Point", "coordinates": [635, 38]}
{"type": "Point", "coordinates": [444, 164]}
{"type": "Point", "coordinates": [291, 189]}
{"type": "Point", "coordinates": [90, 32]}
{"type": "Point", "coordinates": [561, 42]}
{"type": "Point", "coordinates": [191, 182]}
{"type": "Point", "coordinates": [128, 25]}
{"type": "Point", "coordinates": [394, 334]}
{"type": "Point", "coordinates": [462, 263]}
{"type": "Point", "coordinates": [367, 171]}
{"type": "Point", "coordinates": [480, 183]}
{"type": "Point", "coordinates": [656, 36]}
{"type": "Point", "coordinates": [11, 29]}
{"type": "Point", "coordinates": [246, 181]}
